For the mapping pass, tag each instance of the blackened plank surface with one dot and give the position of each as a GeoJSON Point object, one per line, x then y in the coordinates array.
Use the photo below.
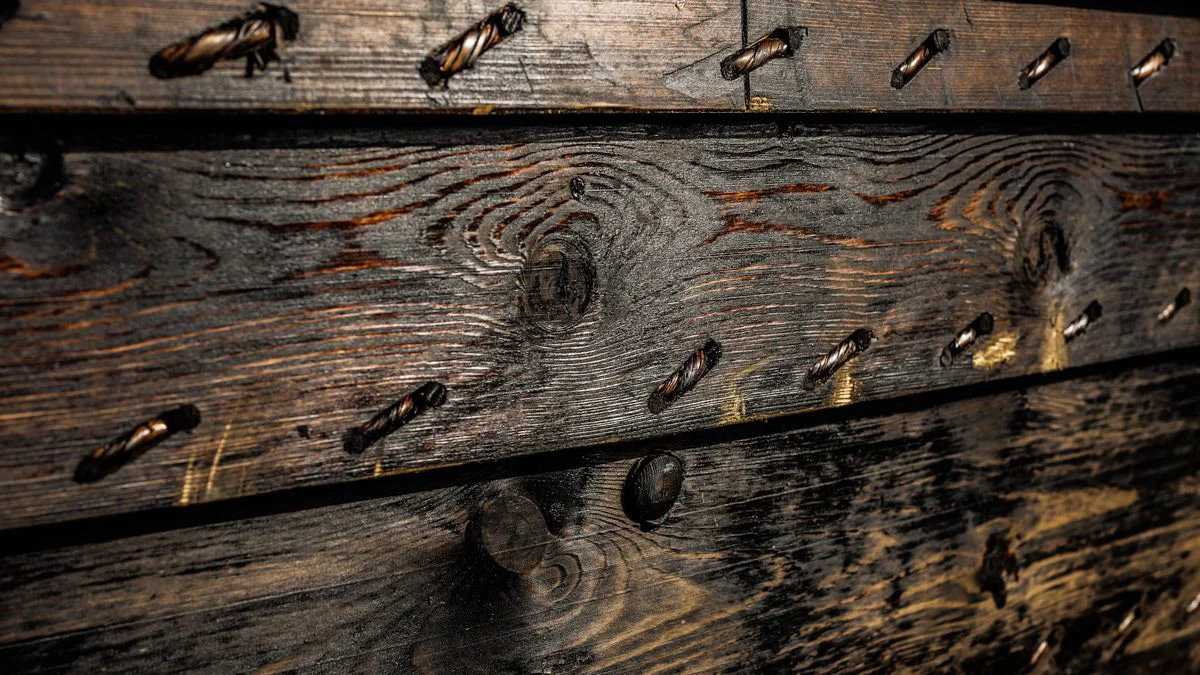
{"type": "Point", "coordinates": [551, 287]}
{"type": "Point", "coordinates": [953, 538]}
{"type": "Point", "coordinates": [363, 55]}
{"type": "Point", "coordinates": [850, 50]}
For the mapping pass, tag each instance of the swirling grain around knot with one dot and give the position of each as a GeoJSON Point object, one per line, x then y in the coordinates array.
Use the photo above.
{"type": "Point", "coordinates": [298, 278]}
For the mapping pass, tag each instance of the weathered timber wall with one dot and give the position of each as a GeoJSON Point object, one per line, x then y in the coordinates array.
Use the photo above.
{"type": "Point", "coordinates": [291, 294]}
{"type": "Point", "coordinates": [954, 538]}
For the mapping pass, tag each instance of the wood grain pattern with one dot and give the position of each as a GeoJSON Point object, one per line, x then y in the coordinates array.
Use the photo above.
{"type": "Point", "coordinates": [950, 539]}
{"type": "Point", "coordinates": [291, 295]}
{"type": "Point", "coordinates": [363, 55]}
{"type": "Point", "coordinates": [851, 49]}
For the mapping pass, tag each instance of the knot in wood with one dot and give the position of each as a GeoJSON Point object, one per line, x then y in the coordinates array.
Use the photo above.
{"type": "Point", "coordinates": [651, 488]}
{"type": "Point", "coordinates": [512, 532]}
{"type": "Point", "coordinates": [557, 283]}
{"type": "Point", "coordinates": [998, 562]}
{"type": "Point", "coordinates": [1047, 249]}
{"type": "Point", "coordinates": [29, 173]}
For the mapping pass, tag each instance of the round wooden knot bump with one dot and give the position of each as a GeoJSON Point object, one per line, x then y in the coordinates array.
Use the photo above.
{"type": "Point", "coordinates": [653, 485]}
{"type": "Point", "coordinates": [511, 530]}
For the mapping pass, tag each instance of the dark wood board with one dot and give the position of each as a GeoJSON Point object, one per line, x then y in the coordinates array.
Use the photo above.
{"type": "Point", "coordinates": [573, 55]}
{"type": "Point", "coordinates": [363, 55]}
{"type": "Point", "coordinates": [291, 295]}
{"type": "Point", "coordinates": [947, 538]}
{"type": "Point", "coordinates": [847, 58]}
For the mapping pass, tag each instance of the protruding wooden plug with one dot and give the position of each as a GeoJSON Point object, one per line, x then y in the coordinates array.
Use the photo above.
{"type": "Point", "coordinates": [391, 418]}
{"type": "Point", "coordinates": [1080, 325]}
{"type": "Point", "coordinates": [1038, 68]}
{"type": "Point", "coordinates": [1038, 652]}
{"type": "Point", "coordinates": [937, 42]}
{"type": "Point", "coordinates": [1154, 62]}
{"type": "Point", "coordinates": [651, 488]}
{"type": "Point", "coordinates": [981, 326]}
{"type": "Point", "coordinates": [859, 341]}
{"type": "Point", "coordinates": [511, 531]}
{"type": "Point", "coordinates": [464, 51]}
{"type": "Point", "coordinates": [257, 36]}
{"type": "Point", "coordinates": [685, 377]}
{"type": "Point", "coordinates": [1182, 299]}
{"type": "Point", "coordinates": [1123, 627]}
{"type": "Point", "coordinates": [779, 43]}
{"type": "Point", "coordinates": [134, 444]}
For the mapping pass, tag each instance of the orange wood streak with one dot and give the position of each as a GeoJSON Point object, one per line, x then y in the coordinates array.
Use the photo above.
{"type": "Point", "coordinates": [752, 195]}
{"type": "Point", "coordinates": [25, 271]}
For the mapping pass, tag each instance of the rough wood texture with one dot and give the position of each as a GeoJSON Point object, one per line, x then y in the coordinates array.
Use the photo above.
{"type": "Point", "coordinates": [850, 50]}
{"type": "Point", "coordinates": [364, 55]}
{"type": "Point", "coordinates": [950, 539]}
{"type": "Point", "coordinates": [291, 295]}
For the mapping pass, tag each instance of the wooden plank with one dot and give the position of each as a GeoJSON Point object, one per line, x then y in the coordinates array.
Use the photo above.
{"type": "Point", "coordinates": [957, 536]}
{"type": "Point", "coordinates": [364, 55]}
{"type": "Point", "coordinates": [850, 50]}
{"type": "Point", "coordinates": [292, 294]}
